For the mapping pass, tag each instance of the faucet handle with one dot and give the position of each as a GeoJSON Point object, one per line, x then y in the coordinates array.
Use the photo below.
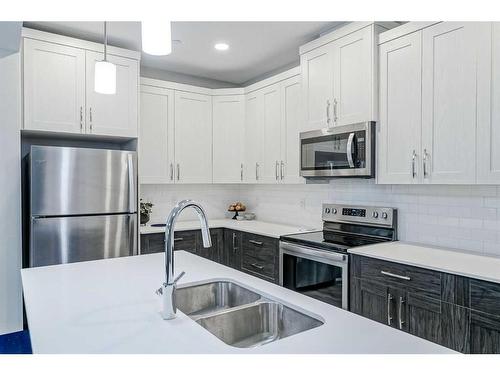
{"type": "Point", "coordinates": [159, 291]}
{"type": "Point", "coordinates": [179, 277]}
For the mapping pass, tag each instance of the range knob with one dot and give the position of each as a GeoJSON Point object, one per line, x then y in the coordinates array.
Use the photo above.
{"type": "Point", "coordinates": [327, 210]}
{"type": "Point", "coordinates": [375, 214]}
{"type": "Point", "coordinates": [384, 215]}
{"type": "Point", "coordinates": [334, 211]}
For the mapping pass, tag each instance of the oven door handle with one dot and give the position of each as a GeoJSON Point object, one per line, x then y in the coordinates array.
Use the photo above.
{"type": "Point", "coordinates": [350, 141]}
{"type": "Point", "coordinates": [314, 254]}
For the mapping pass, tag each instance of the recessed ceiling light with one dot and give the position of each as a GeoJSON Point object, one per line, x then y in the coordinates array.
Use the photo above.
{"type": "Point", "coordinates": [221, 46]}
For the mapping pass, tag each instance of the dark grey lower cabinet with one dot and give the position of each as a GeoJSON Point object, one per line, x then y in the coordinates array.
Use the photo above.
{"type": "Point", "coordinates": [254, 254]}
{"type": "Point", "coordinates": [447, 311]}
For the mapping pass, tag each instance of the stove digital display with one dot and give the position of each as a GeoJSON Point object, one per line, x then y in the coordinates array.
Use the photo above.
{"type": "Point", "coordinates": [360, 212]}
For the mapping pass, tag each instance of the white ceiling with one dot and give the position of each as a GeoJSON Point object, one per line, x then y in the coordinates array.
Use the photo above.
{"type": "Point", "coordinates": [256, 48]}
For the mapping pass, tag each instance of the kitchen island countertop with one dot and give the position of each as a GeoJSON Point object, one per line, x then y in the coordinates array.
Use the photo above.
{"type": "Point", "coordinates": [109, 306]}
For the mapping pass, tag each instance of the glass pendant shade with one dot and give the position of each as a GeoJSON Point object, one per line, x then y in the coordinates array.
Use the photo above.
{"type": "Point", "coordinates": [156, 37]}
{"type": "Point", "coordinates": [105, 77]}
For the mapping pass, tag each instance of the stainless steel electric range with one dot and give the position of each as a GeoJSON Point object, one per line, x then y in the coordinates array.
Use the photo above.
{"type": "Point", "coordinates": [317, 263]}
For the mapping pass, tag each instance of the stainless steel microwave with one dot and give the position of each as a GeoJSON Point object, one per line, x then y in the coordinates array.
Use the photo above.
{"type": "Point", "coordinates": [340, 151]}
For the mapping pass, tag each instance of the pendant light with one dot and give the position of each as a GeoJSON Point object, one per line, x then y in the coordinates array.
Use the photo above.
{"type": "Point", "coordinates": [156, 37]}
{"type": "Point", "coordinates": [105, 72]}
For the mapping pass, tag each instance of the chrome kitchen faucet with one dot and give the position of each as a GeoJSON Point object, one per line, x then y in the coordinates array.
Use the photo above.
{"type": "Point", "coordinates": [167, 290]}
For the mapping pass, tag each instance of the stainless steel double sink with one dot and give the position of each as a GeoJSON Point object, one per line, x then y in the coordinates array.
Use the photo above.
{"type": "Point", "coordinates": [241, 317]}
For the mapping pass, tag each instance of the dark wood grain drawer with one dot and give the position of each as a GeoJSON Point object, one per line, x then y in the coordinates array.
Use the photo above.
{"type": "Point", "coordinates": [257, 266]}
{"type": "Point", "coordinates": [262, 248]}
{"type": "Point", "coordinates": [152, 243]}
{"type": "Point", "coordinates": [426, 281]}
{"type": "Point", "coordinates": [485, 296]}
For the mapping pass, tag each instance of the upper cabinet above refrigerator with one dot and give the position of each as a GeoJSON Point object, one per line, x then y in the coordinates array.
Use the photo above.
{"type": "Point", "coordinates": [339, 77]}
{"type": "Point", "coordinates": [58, 87]}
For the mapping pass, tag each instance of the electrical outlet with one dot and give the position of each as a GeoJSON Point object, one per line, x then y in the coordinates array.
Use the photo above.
{"type": "Point", "coordinates": [302, 203]}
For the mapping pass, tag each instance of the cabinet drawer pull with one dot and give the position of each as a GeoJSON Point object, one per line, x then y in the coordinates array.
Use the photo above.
{"type": "Point", "coordinates": [400, 312]}
{"type": "Point", "coordinates": [257, 243]}
{"type": "Point", "coordinates": [335, 117]}
{"type": "Point", "coordinates": [90, 119]}
{"type": "Point", "coordinates": [171, 171]}
{"type": "Point", "coordinates": [282, 169]}
{"type": "Point", "coordinates": [256, 171]}
{"type": "Point", "coordinates": [276, 168]}
{"type": "Point", "coordinates": [234, 243]}
{"type": "Point", "coordinates": [258, 266]}
{"type": "Point", "coordinates": [389, 316]}
{"type": "Point", "coordinates": [327, 113]}
{"type": "Point", "coordinates": [179, 239]}
{"type": "Point", "coordinates": [241, 172]}
{"type": "Point", "coordinates": [178, 172]}
{"type": "Point", "coordinates": [425, 163]}
{"type": "Point", "coordinates": [81, 119]}
{"type": "Point", "coordinates": [413, 157]}
{"type": "Point", "coordinates": [390, 274]}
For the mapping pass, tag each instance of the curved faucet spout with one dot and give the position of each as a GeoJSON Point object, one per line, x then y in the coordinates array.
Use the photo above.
{"type": "Point", "coordinates": [169, 308]}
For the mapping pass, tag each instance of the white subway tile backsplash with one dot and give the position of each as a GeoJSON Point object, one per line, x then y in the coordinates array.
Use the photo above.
{"type": "Point", "coordinates": [462, 217]}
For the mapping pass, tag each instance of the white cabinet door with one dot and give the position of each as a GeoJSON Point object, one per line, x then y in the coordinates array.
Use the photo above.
{"type": "Point", "coordinates": [271, 151]}
{"type": "Point", "coordinates": [54, 87]}
{"type": "Point", "coordinates": [290, 125]}
{"type": "Point", "coordinates": [353, 81]}
{"type": "Point", "coordinates": [317, 86]}
{"type": "Point", "coordinates": [400, 123]}
{"type": "Point", "coordinates": [113, 115]}
{"type": "Point", "coordinates": [193, 137]}
{"type": "Point", "coordinates": [228, 128]}
{"type": "Point", "coordinates": [156, 136]}
{"type": "Point", "coordinates": [253, 137]}
{"type": "Point", "coordinates": [449, 103]}
{"type": "Point", "coordinates": [488, 129]}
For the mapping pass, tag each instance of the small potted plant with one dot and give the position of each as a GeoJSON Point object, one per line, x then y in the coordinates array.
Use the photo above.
{"type": "Point", "coordinates": [146, 209]}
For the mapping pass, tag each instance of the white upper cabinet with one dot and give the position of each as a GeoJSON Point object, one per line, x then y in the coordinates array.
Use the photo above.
{"type": "Point", "coordinates": [449, 77]}
{"type": "Point", "coordinates": [290, 128]}
{"type": "Point", "coordinates": [193, 137]}
{"type": "Point", "coordinates": [113, 114]}
{"type": "Point", "coordinates": [338, 79]}
{"type": "Point", "coordinates": [488, 131]}
{"type": "Point", "coordinates": [58, 87]}
{"type": "Point", "coordinates": [156, 138]}
{"type": "Point", "coordinates": [353, 78]}
{"type": "Point", "coordinates": [228, 133]}
{"type": "Point", "coordinates": [54, 87]}
{"type": "Point", "coordinates": [253, 137]}
{"type": "Point", "coordinates": [271, 150]}
{"type": "Point", "coordinates": [317, 85]}
{"type": "Point", "coordinates": [400, 110]}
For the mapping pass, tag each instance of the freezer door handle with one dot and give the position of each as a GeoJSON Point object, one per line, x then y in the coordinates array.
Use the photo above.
{"type": "Point", "coordinates": [131, 184]}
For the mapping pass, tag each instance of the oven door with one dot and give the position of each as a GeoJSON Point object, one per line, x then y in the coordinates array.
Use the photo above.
{"type": "Point", "coordinates": [318, 274]}
{"type": "Point", "coordinates": [343, 151]}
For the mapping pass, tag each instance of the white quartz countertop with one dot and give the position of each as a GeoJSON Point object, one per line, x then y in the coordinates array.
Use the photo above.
{"type": "Point", "coordinates": [438, 259]}
{"type": "Point", "coordinates": [109, 306]}
{"type": "Point", "coordinates": [252, 226]}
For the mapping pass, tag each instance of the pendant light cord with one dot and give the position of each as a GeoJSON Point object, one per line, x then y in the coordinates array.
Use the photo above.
{"type": "Point", "coordinates": [105, 41]}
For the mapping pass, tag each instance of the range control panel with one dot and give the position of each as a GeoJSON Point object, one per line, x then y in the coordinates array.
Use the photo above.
{"type": "Point", "coordinates": [381, 216]}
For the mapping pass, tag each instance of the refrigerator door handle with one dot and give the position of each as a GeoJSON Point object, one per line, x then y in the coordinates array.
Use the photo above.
{"type": "Point", "coordinates": [131, 184]}
{"type": "Point", "coordinates": [132, 234]}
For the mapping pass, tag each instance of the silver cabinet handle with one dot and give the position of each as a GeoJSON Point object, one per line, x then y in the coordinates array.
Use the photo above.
{"type": "Point", "coordinates": [396, 276]}
{"type": "Point", "coordinates": [350, 140]}
{"type": "Point", "coordinates": [256, 171]}
{"type": "Point", "coordinates": [241, 172]}
{"type": "Point", "coordinates": [178, 172]}
{"type": "Point", "coordinates": [389, 316]}
{"type": "Point", "coordinates": [171, 171]}
{"type": "Point", "coordinates": [282, 170]}
{"type": "Point", "coordinates": [328, 113]}
{"type": "Point", "coordinates": [258, 266]}
{"type": "Point", "coordinates": [257, 243]}
{"type": "Point", "coordinates": [276, 167]}
{"type": "Point", "coordinates": [234, 242]}
{"type": "Point", "coordinates": [413, 157]}
{"type": "Point", "coordinates": [90, 119]}
{"type": "Point", "coordinates": [178, 239]}
{"type": "Point", "coordinates": [425, 162]}
{"type": "Point", "coordinates": [81, 118]}
{"type": "Point", "coordinates": [400, 312]}
{"type": "Point", "coordinates": [335, 117]}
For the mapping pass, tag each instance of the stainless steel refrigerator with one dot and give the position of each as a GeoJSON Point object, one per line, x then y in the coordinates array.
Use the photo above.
{"type": "Point", "coordinates": [83, 204]}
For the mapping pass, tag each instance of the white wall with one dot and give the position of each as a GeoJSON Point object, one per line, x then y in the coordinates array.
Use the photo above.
{"type": "Point", "coordinates": [10, 195]}
{"type": "Point", "coordinates": [461, 217]}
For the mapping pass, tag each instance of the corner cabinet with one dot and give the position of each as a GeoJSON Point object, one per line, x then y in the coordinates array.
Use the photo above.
{"type": "Point", "coordinates": [193, 137]}
{"type": "Point", "coordinates": [438, 105]}
{"type": "Point", "coordinates": [339, 78]}
{"type": "Point", "coordinates": [228, 133]}
{"type": "Point", "coordinates": [58, 88]}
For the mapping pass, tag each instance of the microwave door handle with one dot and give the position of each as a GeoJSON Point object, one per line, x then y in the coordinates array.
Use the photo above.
{"type": "Point", "coordinates": [349, 150]}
